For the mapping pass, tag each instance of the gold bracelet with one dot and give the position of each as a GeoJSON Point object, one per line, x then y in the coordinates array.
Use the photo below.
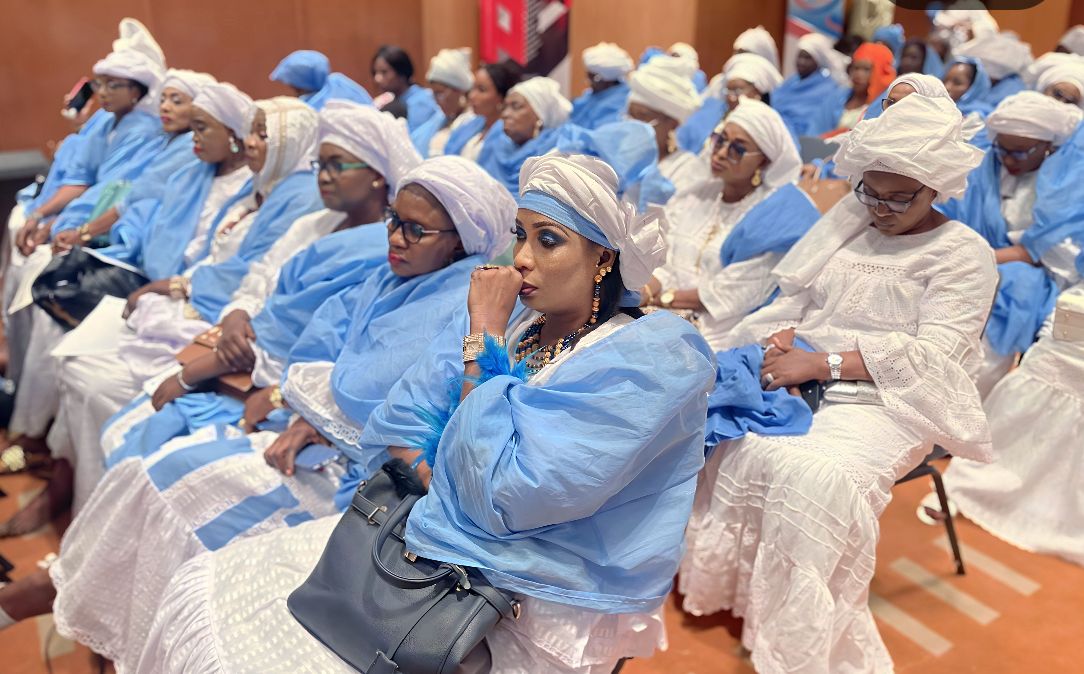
{"type": "Point", "coordinates": [474, 344]}
{"type": "Point", "coordinates": [84, 233]}
{"type": "Point", "coordinates": [177, 289]}
{"type": "Point", "coordinates": [276, 399]}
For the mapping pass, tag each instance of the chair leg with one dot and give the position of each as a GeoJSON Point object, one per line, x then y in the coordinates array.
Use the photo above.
{"type": "Point", "coordinates": [620, 665]}
{"type": "Point", "coordinates": [950, 528]}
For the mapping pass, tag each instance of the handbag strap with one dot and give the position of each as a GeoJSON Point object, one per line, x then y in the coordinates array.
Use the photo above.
{"type": "Point", "coordinates": [394, 519]}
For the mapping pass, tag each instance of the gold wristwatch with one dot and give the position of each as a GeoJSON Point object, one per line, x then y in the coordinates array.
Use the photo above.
{"type": "Point", "coordinates": [666, 299]}
{"type": "Point", "coordinates": [474, 344]}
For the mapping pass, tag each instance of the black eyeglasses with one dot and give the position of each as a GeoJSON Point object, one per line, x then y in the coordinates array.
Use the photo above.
{"type": "Point", "coordinates": [334, 167]}
{"type": "Point", "coordinates": [113, 85]}
{"type": "Point", "coordinates": [886, 103]}
{"type": "Point", "coordinates": [1017, 155]}
{"type": "Point", "coordinates": [870, 201]}
{"type": "Point", "coordinates": [412, 231]}
{"type": "Point", "coordinates": [735, 149]}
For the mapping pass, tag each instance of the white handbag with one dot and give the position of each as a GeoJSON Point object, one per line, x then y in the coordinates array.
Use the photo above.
{"type": "Point", "coordinates": [1069, 318]}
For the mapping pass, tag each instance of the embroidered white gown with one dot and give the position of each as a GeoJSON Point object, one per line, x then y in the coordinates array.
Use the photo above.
{"type": "Point", "coordinates": [1032, 493]}
{"type": "Point", "coordinates": [784, 529]}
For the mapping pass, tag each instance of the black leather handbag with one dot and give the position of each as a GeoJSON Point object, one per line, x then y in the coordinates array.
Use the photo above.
{"type": "Point", "coordinates": [384, 610]}
{"type": "Point", "coordinates": [73, 283]}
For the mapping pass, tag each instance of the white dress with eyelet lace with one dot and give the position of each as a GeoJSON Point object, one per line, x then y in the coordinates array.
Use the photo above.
{"type": "Point", "coordinates": [784, 529]}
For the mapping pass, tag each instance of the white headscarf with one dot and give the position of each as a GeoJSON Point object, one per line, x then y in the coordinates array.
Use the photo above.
{"type": "Point", "coordinates": [452, 67]}
{"type": "Point", "coordinates": [134, 36]}
{"type": "Point", "coordinates": [187, 82]}
{"type": "Point", "coordinates": [758, 41]}
{"type": "Point", "coordinates": [544, 96]}
{"type": "Point", "coordinates": [755, 70]}
{"type": "Point", "coordinates": [1073, 40]}
{"type": "Point", "coordinates": [483, 211]}
{"type": "Point", "coordinates": [227, 104]}
{"type": "Point", "coordinates": [291, 141]}
{"type": "Point", "coordinates": [589, 186]}
{"type": "Point", "coordinates": [769, 132]}
{"type": "Point", "coordinates": [918, 137]}
{"type": "Point", "coordinates": [135, 65]}
{"type": "Point", "coordinates": [686, 51]}
{"type": "Point", "coordinates": [682, 67]}
{"type": "Point", "coordinates": [608, 61]}
{"type": "Point", "coordinates": [1070, 73]}
{"type": "Point", "coordinates": [924, 85]}
{"type": "Point", "coordinates": [821, 48]}
{"type": "Point", "coordinates": [664, 91]}
{"type": "Point", "coordinates": [1044, 63]}
{"type": "Point", "coordinates": [980, 21]}
{"type": "Point", "coordinates": [1033, 115]}
{"type": "Point", "coordinates": [377, 138]}
{"type": "Point", "coordinates": [1002, 54]}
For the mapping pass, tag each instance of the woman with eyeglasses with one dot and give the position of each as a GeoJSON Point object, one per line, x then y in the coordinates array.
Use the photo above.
{"type": "Point", "coordinates": [872, 69]}
{"type": "Point", "coordinates": [450, 78]}
{"type": "Point", "coordinates": [533, 112]}
{"type": "Point", "coordinates": [199, 493]}
{"type": "Point", "coordinates": [1017, 201]}
{"type": "Point", "coordinates": [727, 232]}
{"type": "Point", "coordinates": [566, 481]}
{"type": "Point", "coordinates": [885, 300]}
{"type": "Point", "coordinates": [663, 99]}
{"type": "Point", "coordinates": [393, 74]}
{"type": "Point", "coordinates": [607, 67]}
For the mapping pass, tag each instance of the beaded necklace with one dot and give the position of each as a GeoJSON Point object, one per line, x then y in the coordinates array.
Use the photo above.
{"type": "Point", "coordinates": [538, 358]}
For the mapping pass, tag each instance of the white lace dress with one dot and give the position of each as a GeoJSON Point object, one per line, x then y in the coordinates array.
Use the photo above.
{"type": "Point", "coordinates": [1032, 494]}
{"type": "Point", "coordinates": [225, 612]}
{"type": "Point", "coordinates": [684, 170]}
{"type": "Point", "coordinates": [784, 529]}
{"type": "Point", "coordinates": [700, 221]}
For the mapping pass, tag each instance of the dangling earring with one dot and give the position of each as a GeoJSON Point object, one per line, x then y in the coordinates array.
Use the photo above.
{"type": "Point", "coordinates": [462, 101]}
{"type": "Point", "coordinates": [756, 179]}
{"type": "Point", "coordinates": [671, 142]}
{"type": "Point", "coordinates": [598, 295]}
{"type": "Point", "coordinates": [537, 128]}
{"type": "Point", "coordinates": [376, 184]}
{"type": "Point", "coordinates": [233, 145]}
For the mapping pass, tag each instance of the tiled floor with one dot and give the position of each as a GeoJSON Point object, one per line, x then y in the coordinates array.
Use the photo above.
{"type": "Point", "coordinates": [1013, 611]}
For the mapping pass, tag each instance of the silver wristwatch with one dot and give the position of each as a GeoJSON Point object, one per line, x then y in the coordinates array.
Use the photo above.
{"type": "Point", "coordinates": [835, 366]}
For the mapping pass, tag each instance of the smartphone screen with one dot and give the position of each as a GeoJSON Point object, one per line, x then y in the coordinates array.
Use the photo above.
{"type": "Point", "coordinates": [80, 95]}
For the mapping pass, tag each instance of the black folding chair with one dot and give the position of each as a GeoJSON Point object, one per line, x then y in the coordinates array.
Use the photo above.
{"type": "Point", "coordinates": [926, 468]}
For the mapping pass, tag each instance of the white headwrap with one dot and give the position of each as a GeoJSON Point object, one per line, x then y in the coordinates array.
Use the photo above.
{"type": "Point", "coordinates": [227, 104]}
{"type": "Point", "coordinates": [755, 70]}
{"type": "Point", "coordinates": [924, 85]}
{"type": "Point", "coordinates": [589, 186]}
{"type": "Point", "coordinates": [1032, 115]}
{"type": "Point", "coordinates": [664, 91]}
{"type": "Point", "coordinates": [134, 36]}
{"type": "Point", "coordinates": [134, 65]}
{"type": "Point", "coordinates": [980, 21]}
{"type": "Point", "coordinates": [483, 211]}
{"type": "Point", "coordinates": [686, 51]}
{"type": "Point", "coordinates": [1070, 73]}
{"type": "Point", "coordinates": [608, 61]}
{"type": "Point", "coordinates": [1002, 54]}
{"type": "Point", "coordinates": [682, 67]}
{"type": "Point", "coordinates": [452, 67]}
{"type": "Point", "coordinates": [544, 96]}
{"type": "Point", "coordinates": [377, 138]}
{"type": "Point", "coordinates": [1073, 40]}
{"type": "Point", "coordinates": [1044, 63]}
{"type": "Point", "coordinates": [758, 41]}
{"type": "Point", "coordinates": [821, 48]}
{"type": "Point", "coordinates": [769, 132]}
{"type": "Point", "coordinates": [291, 141]}
{"type": "Point", "coordinates": [188, 82]}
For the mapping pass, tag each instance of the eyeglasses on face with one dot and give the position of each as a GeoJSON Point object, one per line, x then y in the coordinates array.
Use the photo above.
{"type": "Point", "coordinates": [870, 201]}
{"type": "Point", "coordinates": [1016, 155]}
{"type": "Point", "coordinates": [412, 231]}
{"type": "Point", "coordinates": [334, 167]}
{"type": "Point", "coordinates": [735, 149]}
{"type": "Point", "coordinates": [111, 85]}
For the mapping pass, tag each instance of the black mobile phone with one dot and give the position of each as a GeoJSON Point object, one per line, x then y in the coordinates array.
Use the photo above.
{"type": "Point", "coordinates": [812, 393]}
{"type": "Point", "coordinates": [80, 95]}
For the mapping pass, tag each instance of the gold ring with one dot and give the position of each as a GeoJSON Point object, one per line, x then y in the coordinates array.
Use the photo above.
{"type": "Point", "coordinates": [486, 267]}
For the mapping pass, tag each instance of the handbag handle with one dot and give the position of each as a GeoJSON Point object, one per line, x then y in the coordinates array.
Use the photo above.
{"type": "Point", "coordinates": [394, 519]}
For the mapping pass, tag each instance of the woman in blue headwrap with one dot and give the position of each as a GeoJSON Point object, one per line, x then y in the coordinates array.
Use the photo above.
{"type": "Point", "coordinates": [819, 71]}
{"type": "Point", "coordinates": [728, 231]}
{"type": "Point", "coordinates": [492, 82]}
{"type": "Point", "coordinates": [918, 57]}
{"type": "Point", "coordinates": [533, 111]}
{"type": "Point", "coordinates": [308, 74]}
{"type": "Point", "coordinates": [450, 78]}
{"type": "Point", "coordinates": [607, 65]}
{"type": "Point", "coordinates": [1004, 57]}
{"type": "Point", "coordinates": [201, 492]}
{"type": "Point", "coordinates": [1022, 201]}
{"type": "Point", "coordinates": [393, 74]}
{"type": "Point", "coordinates": [590, 399]}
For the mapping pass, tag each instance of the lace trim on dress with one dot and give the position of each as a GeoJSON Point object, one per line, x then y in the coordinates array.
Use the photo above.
{"type": "Point", "coordinates": [308, 391]}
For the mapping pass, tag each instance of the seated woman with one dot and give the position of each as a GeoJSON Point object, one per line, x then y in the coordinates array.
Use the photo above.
{"type": "Point", "coordinates": [1004, 57]}
{"type": "Point", "coordinates": [589, 598]}
{"type": "Point", "coordinates": [1016, 201]}
{"type": "Point", "coordinates": [308, 74]}
{"type": "Point", "coordinates": [450, 79]}
{"type": "Point", "coordinates": [760, 42]}
{"type": "Point", "coordinates": [919, 57]}
{"type": "Point", "coordinates": [1072, 42]}
{"type": "Point", "coordinates": [819, 67]}
{"type": "Point", "coordinates": [486, 98]}
{"type": "Point", "coordinates": [663, 99]}
{"type": "Point", "coordinates": [885, 294]}
{"type": "Point", "coordinates": [448, 217]}
{"type": "Point", "coordinates": [745, 75]}
{"type": "Point", "coordinates": [534, 110]}
{"type": "Point", "coordinates": [968, 85]}
{"type": "Point", "coordinates": [728, 232]}
{"type": "Point", "coordinates": [393, 75]}
{"type": "Point", "coordinates": [1064, 82]}
{"type": "Point", "coordinates": [871, 71]}
{"type": "Point", "coordinates": [607, 66]}
{"type": "Point", "coordinates": [363, 154]}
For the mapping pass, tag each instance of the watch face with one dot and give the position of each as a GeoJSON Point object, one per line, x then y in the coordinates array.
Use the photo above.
{"type": "Point", "coordinates": [835, 359]}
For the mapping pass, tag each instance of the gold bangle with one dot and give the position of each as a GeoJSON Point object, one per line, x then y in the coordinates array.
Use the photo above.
{"type": "Point", "coordinates": [178, 288]}
{"type": "Point", "coordinates": [84, 233]}
{"type": "Point", "coordinates": [474, 344]}
{"type": "Point", "coordinates": [276, 399]}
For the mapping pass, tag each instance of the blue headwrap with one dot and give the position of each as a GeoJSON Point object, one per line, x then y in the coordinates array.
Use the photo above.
{"type": "Point", "coordinates": [304, 69]}
{"type": "Point", "coordinates": [974, 99]}
{"type": "Point", "coordinates": [892, 37]}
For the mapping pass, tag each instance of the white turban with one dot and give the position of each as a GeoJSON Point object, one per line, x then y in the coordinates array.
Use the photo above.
{"type": "Point", "coordinates": [980, 21]}
{"type": "Point", "coordinates": [608, 61]}
{"type": "Point", "coordinates": [823, 51]}
{"type": "Point", "coordinates": [1002, 54]}
{"type": "Point", "coordinates": [1070, 73]}
{"type": "Point", "coordinates": [682, 67]}
{"type": "Point", "coordinates": [134, 36]}
{"type": "Point", "coordinates": [227, 104]}
{"type": "Point", "coordinates": [134, 65]}
{"type": "Point", "coordinates": [769, 132]}
{"type": "Point", "coordinates": [291, 141]}
{"type": "Point", "coordinates": [544, 96]}
{"type": "Point", "coordinates": [758, 41]}
{"type": "Point", "coordinates": [685, 51]}
{"type": "Point", "coordinates": [924, 85]}
{"type": "Point", "coordinates": [1032, 115]}
{"type": "Point", "coordinates": [664, 91]}
{"type": "Point", "coordinates": [483, 211]}
{"type": "Point", "coordinates": [377, 138]}
{"type": "Point", "coordinates": [588, 186]}
{"type": "Point", "coordinates": [451, 67]}
{"type": "Point", "coordinates": [918, 137]}
{"type": "Point", "coordinates": [188, 82]}
{"type": "Point", "coordinates": [755, 70]}
{"type": "Point", "coordinates": [1073, 40]}
{"type": "Point", "coordinates": [1047, 61]}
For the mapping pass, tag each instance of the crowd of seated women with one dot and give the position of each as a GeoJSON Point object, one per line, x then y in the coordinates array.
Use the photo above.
{"type": "Point", "coordinates": [704, 374]}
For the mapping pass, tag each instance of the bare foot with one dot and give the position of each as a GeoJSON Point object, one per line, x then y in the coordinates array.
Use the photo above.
{"type": "Point", "coordinates": [52, 501]}
{"type": "Point", "coordinates": [29, 596]}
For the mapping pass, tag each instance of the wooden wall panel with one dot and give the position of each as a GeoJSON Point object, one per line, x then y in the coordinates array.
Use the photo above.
{"type": "Point", "coordinates": [447, 24]}
{"type": "Point", "coordinates": [1040, 26]}
{"type": "Point", "coordinates": [719, 22]}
